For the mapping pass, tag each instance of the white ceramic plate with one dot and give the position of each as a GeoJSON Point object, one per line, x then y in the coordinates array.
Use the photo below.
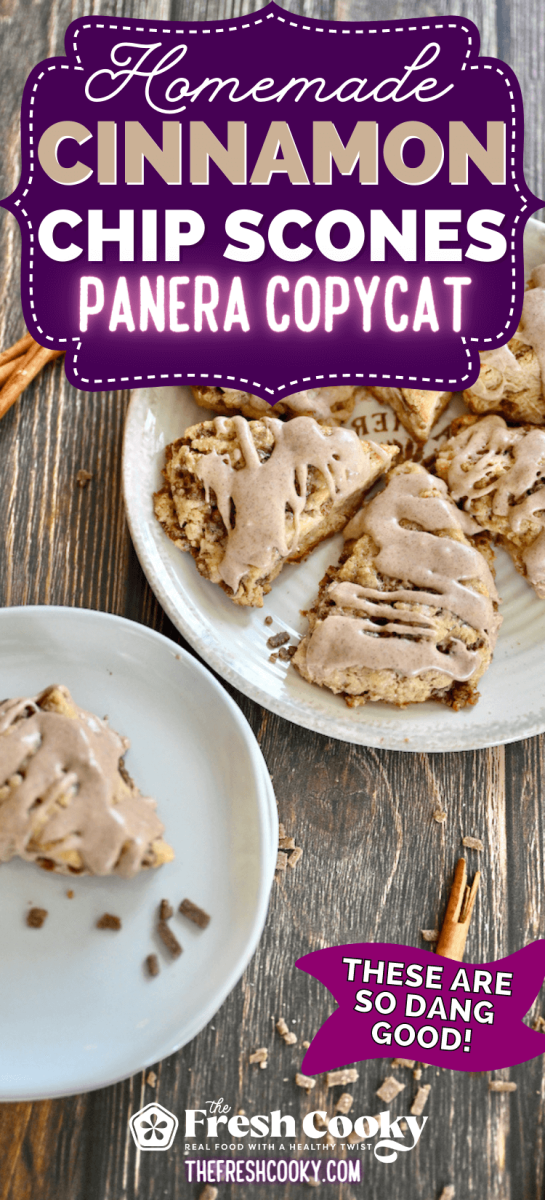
{"type": "Point", "coordinates": [233, 640]}
{"type": "Point", "coordinates": [78, 1010]}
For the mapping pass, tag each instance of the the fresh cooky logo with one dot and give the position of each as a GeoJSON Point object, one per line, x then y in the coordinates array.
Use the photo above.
{"type": "Point", "coordinates": [153, 1127]}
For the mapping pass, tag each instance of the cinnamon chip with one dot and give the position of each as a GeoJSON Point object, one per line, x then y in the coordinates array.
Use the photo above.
{"type": "Point", "coordinates": [501, 1085]}
{"type": "Point", "coordinates": [286, 843]}
{"type": "Point", "coordinates": [208, 1192]}
{"type": "Point", "coordinates": [348, 1075]}
{"type": "Point", "coordinates": [295, 856]}
{"type": "Point", "coordinates": [430, 935]}
{"type": "Point", "coordinates": [277, 639]}
{"type": "Point", "coordinates": [83, 477]}
{"type": "Point", "coordinates": [473, 843]}
{"type": "Point", "coordinates": [305, 1081]}
{"type": "Point", "coordinates": [404, 1062]}
{"type": "Point", "coordinates": [171, 942]}
{"type": "Point", "coordinates": [448, 1192]}
{"type": "Point", "coordinates": [152, 964]}
{"type": "Point", "coordinates": [421, 1099]}
{"type": "Point", "coordinates": [194, 913]}
{"type": "Point", "coordinates": [281, 861]}
{"type": "Point", "coordinates": [439, 815]}
{"type": "Point", "coordinates": [35, 917]}
{"type": "Point", "coordinates": [290, 1038]}
{"type": "Point", "coordinates": [344, 1103]}
{"type": "Point", "coordinates": [151, 1079]}
{"type": "Point", "coordinates": [268, 621]}
{"type": "Point", "coordinates": [281, 1027]}
{"type": "Point", "coordinates": [108, 921]}
{"type": "Point", "coordinates": [390, 1089]}
{"type": "Point", "coordinates": [166, 910]}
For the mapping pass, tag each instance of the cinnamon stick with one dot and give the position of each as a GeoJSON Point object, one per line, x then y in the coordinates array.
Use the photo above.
{"type": "Point", "coordinates": [31, 364]}
{"type": "Point", "coordinates": [455, 928]}
{"type": "Point", "coordinates": [18, 348]}
{"type": "Point", "coordinates": [7, 369]}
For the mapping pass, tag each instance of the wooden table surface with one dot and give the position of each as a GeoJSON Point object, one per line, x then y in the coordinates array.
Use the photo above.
{"type": "Point", "coordinates": [376, 865]}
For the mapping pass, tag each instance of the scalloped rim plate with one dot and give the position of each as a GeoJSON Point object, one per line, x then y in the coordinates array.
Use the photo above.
{"type": "Point", "coordinates": [233, 640]}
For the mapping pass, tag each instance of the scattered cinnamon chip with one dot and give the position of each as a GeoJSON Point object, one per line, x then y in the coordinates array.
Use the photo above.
{"type": "Point", "coordinates": [286, 653]}
{"type": "Point", "coordinates": [390, 1089]}
{"type": "Point", "coordinates": [152, 964]}
{"type": "Point", "coordinates": [170, 940]}
{"type": "Point", "coordinates": [417, 1074]}
{"type": "Point", "coordinates": [439, 815]}
{"type": "Point", "coordinates": [286, 843]}
{"type": "Point", "coordinates": [273, 657]}
{"type": "Point", "coordinates": [290, 1038]}
{"type": "Point", "coordinates": [281, 861]}
{"type": "Point", "coordinates": [281, 830]}
{"type": "Point", "coordinates": [194, 913]}
{"type": "Point", "coordinates": [448, 1192]}
{"type": "Point", "coordinates": [166, 910]}
{"type": "Point", "coordinates": [404, 1062]}
{"type": "Point", "coordinates": [281, 1027]}
{"type": "Point", "coordinates": [312, 1182]}
{"type": "Point", "coordinates": [344, 1103]}
{"type": "Point", "coordinates": [355, 1139]}
{"type": "Point", "coordinates": [151, 1079]}
{"type": "Point", "coordinates": [35, 917]}
{"type": "Point", "coordinates": [501, 1085]}
{"type": "Point", "coordinates": [260, 1055]}
{"type": "Point", "coordinates": [473, 843]}
{"type": "Point", "coordinates": [70, 894]}
{"type": "Point", "coordinates": [421, 1099]}
{"type": "Point", "coordinates": [539, 1024]}
{"type": "Point", "coordinates": [208, 1192]}
{"type": "Point", "coordinates": [83, 477]}
{"type": "Point", "coordinates": [268, 621]}
{"type": "Point", "coordinates": [305, 1081]}
{"type": "Point", "coordinates": [348, 1075]}
{"type": "Point", "coordinates": [277, 639]}
{"type": "Point", "coordinates": [108, 921]}
{"type": "Point", "coordinates": [306, 1045]}
{"type": "Point", "coordinates": [430, 935]}
{"type": "Point", "coordinates": [294, 857]}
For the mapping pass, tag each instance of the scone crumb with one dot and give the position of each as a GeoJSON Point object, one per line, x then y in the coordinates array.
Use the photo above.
{"type": "Point", "coordinates": [305, 1081]}
{"type": "Point", "coordinates": [286, 843]}
{"type": "Point", "coordinates": [344, 1103]}
{"type": "Point", "coordinates": [281, 861]}
{"type": "Point", "coordinates": [35, 917]}
{"type": "Point", "coordinates": [268, 621]}
{"type": "Point", "coordinates": [430, 935]}
{"type": "Point", "coordinates": [501, 1085]}
{"type": "Point", "coordinates": [473, 843]}
{"type": "Point", "coordinates": [404, 1062]}
{"type": "Point", "coordinates": [306, 1045]}
{"type": "Point", "coordinates": [169, 939]}
{"type": "Point", "coordinates": [70, 894]}
{"type": "Point", "coordinates": [194, 913]}
{"type": "Point", "coordinates": [83, 477]}
{"type": "Point", "coordinates": [259, 1056]}
{"type": "Point", "coordinates": [448, 1192]}
{"type": "Point", "coordinates": [539, 1024]}
{"type": "Point", "coordinates": [390, 1089]}
{"type": "Point", "coordinates": [152, 964]}
{"type": "Point", "coordinates": [166, 910]}
{"type": "Point", "coordinates": [439, 815]}
{"type": "Point", "coordinates": [290, 1038]}
{"type": "Point", "coordinates": [109, 921]}
{"type": "Point", "coordinates": [151, 1079]}
{"type": "Point", "coordinates": [281, 1027]}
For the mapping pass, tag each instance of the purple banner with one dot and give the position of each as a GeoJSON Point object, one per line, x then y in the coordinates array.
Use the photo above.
{"type": "Point", "coordinates": [272, 202]}
{"type": "Point", "coordinates": [395, 1001]}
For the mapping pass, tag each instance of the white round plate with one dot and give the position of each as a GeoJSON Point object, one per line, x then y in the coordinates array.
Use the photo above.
{"type": "Point", "coordinates": [78, 1010]}
{"type": "Point", "coordinates": [233, 640]}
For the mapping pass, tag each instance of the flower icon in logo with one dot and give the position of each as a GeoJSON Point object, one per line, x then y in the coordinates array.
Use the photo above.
{"type": "Point", "coordinates": [153, 1127]}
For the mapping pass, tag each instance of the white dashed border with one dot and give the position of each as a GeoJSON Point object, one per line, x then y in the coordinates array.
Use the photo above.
{"type": "Point", "coordinates": [222, 28]}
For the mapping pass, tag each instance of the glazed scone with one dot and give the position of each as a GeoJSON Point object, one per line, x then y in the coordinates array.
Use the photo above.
{"type": "Point", "coordinates": [417, 410]}
{"type": "Point", "coordinates": [411, 612]}
{"type": "Point", "coordinates": [66, 801]}
{"type": "Point", "coordinates": [328, 405]}
{"type": "Point", "coordinates": [244, 497]}
{"type": "Point", "coordinates": [497, 473]}
{"type": "Point", "coordinates": [512, 378]}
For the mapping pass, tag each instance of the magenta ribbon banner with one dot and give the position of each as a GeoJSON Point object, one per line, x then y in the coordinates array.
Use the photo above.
{"type": "Point", "coordinates": [397, 1001]}
{"type": "Point", "coordinates": [272, 202]}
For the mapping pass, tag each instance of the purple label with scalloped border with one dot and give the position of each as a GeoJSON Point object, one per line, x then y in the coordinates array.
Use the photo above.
{"type": "Point", "coordinates": [272, 203]}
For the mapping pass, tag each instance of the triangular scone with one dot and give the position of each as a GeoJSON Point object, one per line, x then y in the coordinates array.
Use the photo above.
{"type": "Point", "coordinates": [512, 378]}
{"type": "Point", "coordinates": [328, 405]}
{"type": "Point", "coordinates": [411, 612]}
{"type": "Point", "coordinates": [497, 473]}
{"type": "Point", "coordinates": [244, 497]}
{"type": "Point", "coordinates": [66, 801]}
{"type": "Point", "coordinates": [417, 410]}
